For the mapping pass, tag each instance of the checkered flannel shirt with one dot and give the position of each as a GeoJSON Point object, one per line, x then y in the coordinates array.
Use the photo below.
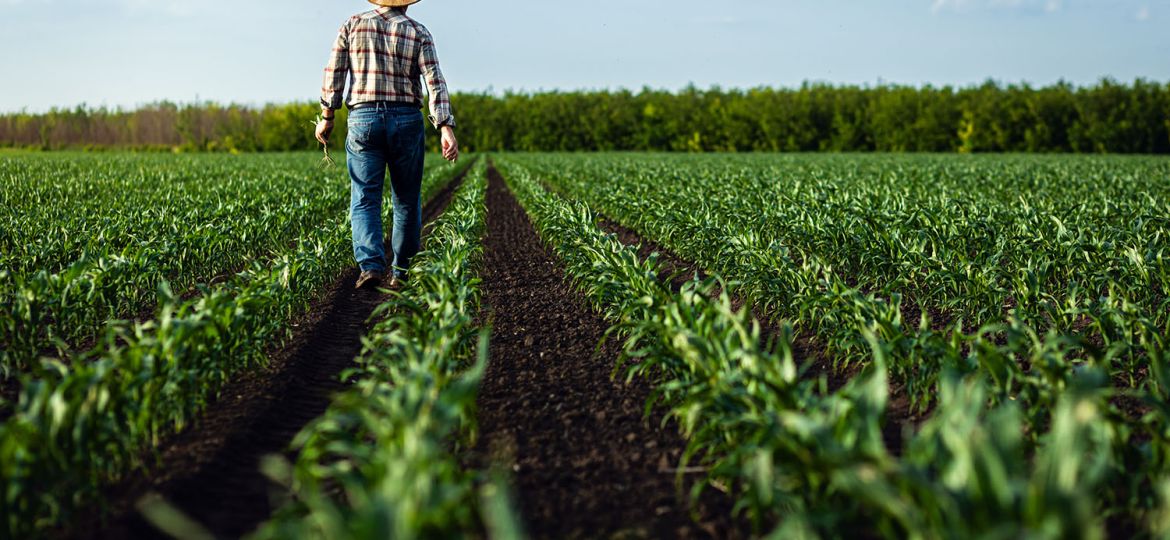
{"type": "Point", "coordinates": [385, 55]}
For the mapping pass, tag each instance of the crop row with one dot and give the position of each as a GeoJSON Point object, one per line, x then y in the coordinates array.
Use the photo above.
{"type": "Point", "coordinates": [963, 237]}
{"type": "Point", "coordinates": [63, 207]}
{"type": "Point", "coordinates": [81, 426]}
{"type": "Point", "coordinates": [87, 247]}
{"type": "Point", "coordinates": [827, 302]}
{"type": "Point", "coordinates": [985, 462]}
{"type": "Point", "coordinates": [383, 462]}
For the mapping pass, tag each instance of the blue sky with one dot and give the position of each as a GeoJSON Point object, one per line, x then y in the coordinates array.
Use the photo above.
{"type": "Point", "coordinates": [129, 52]}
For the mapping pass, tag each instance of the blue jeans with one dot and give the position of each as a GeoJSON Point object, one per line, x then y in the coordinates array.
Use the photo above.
{"type": "Point", "coordinates": [379, 137]}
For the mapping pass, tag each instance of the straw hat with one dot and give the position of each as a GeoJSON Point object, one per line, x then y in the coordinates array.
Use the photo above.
{"type": "Point", "coordinates": [394, 3]}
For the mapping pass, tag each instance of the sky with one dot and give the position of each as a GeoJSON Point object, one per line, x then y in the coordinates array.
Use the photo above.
{"type": "Point", "coordinates": [124, 53]}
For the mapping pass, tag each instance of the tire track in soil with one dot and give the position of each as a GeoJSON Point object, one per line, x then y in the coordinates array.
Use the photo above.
{"type": "Point", "coordinates": [584, 461]}
{"type": "Point", "coordinates": [210, 471]}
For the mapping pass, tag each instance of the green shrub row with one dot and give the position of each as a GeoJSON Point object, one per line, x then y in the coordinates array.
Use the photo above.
{"type": "Point", "coordinates": [1106, 117]}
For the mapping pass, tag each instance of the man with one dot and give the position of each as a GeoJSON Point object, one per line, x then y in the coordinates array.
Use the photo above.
{"type": "Point", "coordinates": [384, 54]}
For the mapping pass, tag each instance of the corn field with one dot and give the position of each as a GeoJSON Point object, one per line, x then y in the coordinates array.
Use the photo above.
{"type": "Point", "coordinates": [894, 346]}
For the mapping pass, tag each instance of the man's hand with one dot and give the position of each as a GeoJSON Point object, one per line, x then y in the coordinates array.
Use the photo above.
{"type": "Point", "coordinates": [450, 144]}
{"type": "Point", "coordinates": [324, 130]}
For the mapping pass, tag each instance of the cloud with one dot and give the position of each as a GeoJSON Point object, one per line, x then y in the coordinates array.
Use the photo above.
{"type": "Point", "coordinates": [1143, 14]}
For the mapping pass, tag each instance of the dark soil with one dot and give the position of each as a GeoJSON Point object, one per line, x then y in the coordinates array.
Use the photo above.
{"type": "Point", "coordinates": [210, 471]}
{"type": "Point", "coordinates": [585, 460]}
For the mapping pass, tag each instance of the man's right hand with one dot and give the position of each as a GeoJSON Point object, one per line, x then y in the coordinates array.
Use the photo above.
{"type": "Point", "coordinates": [324, 130]}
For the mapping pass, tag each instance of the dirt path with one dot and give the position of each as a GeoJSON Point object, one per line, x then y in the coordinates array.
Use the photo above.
{"type": "Point", "coordinates": [211, 472]}
{"type": "Point", "coordinates": [585, 462]}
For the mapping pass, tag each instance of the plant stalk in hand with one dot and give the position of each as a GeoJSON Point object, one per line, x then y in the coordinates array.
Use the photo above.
{"type": "Point", "coordinates": [324, 128]}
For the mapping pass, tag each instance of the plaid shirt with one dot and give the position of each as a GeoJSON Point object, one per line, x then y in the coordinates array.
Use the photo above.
{"type": "Point", "coordinates": [384, 54]}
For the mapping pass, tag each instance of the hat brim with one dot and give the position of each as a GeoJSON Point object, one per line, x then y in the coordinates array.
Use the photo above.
{"type": "Point", "coordinates": [394, 3]}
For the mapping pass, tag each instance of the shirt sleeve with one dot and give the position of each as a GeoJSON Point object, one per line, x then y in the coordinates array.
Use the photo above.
{"type": "Point", "coordinates": [440, 100]}
{"type": "Point", "coordinates": [336, 72]}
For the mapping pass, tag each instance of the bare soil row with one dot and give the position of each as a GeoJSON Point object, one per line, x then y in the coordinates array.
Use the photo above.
{"type": "Point", "coordinates": [585, 461]}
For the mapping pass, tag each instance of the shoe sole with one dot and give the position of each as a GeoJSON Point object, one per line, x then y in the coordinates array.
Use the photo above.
{"type": "Point", "coordinates": [367, 283]}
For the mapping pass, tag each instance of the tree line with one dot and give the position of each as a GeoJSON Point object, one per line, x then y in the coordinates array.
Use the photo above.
{"type": "Point", "coordinates": [1105, 117]}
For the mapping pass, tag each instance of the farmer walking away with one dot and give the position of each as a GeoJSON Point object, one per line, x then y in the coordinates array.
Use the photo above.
{"type": "Point", "coordinates": [385, 54]}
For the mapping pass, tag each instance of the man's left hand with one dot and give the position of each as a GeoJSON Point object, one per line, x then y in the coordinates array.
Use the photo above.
{"type": "Point", "coordinates": [450, 144]}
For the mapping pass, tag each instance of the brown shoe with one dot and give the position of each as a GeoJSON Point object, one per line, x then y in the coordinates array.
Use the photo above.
{"type": "Point", "coordinates": [396, 284]}
{"type": "Point", "coordinates": [368, 280]}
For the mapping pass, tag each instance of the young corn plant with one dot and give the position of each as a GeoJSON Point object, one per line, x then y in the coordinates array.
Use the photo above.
{"type": "Point", "coordinates": [326, 160]}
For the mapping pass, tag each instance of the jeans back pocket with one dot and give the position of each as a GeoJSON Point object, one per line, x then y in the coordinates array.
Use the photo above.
{"type": "Point", "coordinates": [360, 133]}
